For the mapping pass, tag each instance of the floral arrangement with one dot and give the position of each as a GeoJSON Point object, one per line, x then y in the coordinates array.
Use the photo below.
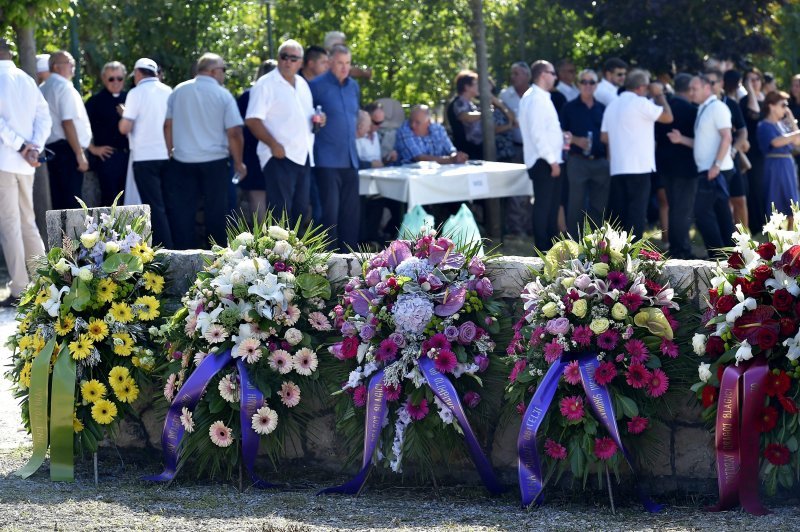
{"type": "Point", "coordinates": [598, 335]}
{"type": "Point", "coordinates": [90, 310]}
{"type": "Point", "coordinates": [421, 308]}
{"type": "Point", "coordinates": [258, 312]}
{"type": "Point", "coordinates": [751, 326]}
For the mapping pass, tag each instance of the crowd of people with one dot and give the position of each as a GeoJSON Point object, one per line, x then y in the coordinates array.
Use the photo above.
{"type": "Point", "coordinates": [713, 149]}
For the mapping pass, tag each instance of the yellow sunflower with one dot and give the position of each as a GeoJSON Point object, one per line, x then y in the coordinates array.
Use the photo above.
{"type": "Point", "coordinates": [105, 290]}
{"type": "Point", "coordinates": [24, 325]}
{"type": "Point", "coordinates": [97, 330]}
{"type": "Point", "coordinates": [41, 297]}
{"type": "Point", "coordinates": [123, 344]}
{"type": "Point", "coordinates": [117, 376]}
{"type": "Point", "coordinates": [143, 251]}
{"type": "Point", "coordinates": [150, 307]}
{"type": "Point", "coordinates": [121, 312]}
{"type": "Point", "coordinates": [93, 391]}
{"type": "Point", "coordinates": [38, 343]}
{"type": "Point", "coordinates": [127, 392]}
{"type": "Point", "coordinates": [81, 348]}
{"type": "Point", "coordinates": [25, 375]}
{"type": "Point", "coordinates": [24, 342]}
{"type": "Point", "coordinates": [153, 282]}
{"type": "Point", "coordinates": [65, 324]}
{"type": "Point", "coordinates": [104, 411]}
{"type": "Point", "coordinates": [77, 426]}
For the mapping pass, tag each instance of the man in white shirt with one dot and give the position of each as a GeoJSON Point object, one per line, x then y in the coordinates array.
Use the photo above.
{"type": "Point", "coordinates": [566, 79]}
{"type": "Point", "coordinates": [614, 71]}
{"type": "Point", "coordinates": [280, 116]}
{"type": "Point", "coordinates": [628, 130]}
{"type": "Point", "coordinates": [542, 144]}
{"type": "Point", "coordinates": [143, 122]}
{"type": "Point", "coordinates": [24, 127]}
{"type": "Point", "coordinates": [71, 133]}
{"type": "Point", "coordinates": [711, 146]}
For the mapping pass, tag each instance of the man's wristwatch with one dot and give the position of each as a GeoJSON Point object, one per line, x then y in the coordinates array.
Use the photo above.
{"type": "Point", "coordinates": [22, 148]}
{"type": "Point", "coordinates": [718, 164]}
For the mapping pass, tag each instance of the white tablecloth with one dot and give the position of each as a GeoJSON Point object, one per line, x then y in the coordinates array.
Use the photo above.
{"type": "Point", "coordinates": [447, 183]}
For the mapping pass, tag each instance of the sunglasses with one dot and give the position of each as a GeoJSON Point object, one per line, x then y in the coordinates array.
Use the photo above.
{"type": "Point", "coordinates": [292, 58]}
{"type": "Point", "coordinates": [588, 82]}
{"type": "Point", "coordinates": [377, 123]}
{"type": "Point", "coordinates": [224, 69]}
{"type": "Point", "coordinates": [620, 74]}
{"type": "Point", "coordinates": [116, 79]}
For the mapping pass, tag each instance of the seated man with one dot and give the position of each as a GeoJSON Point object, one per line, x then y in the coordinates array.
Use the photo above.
{"type": "Point", "coordinates": [420, 140]}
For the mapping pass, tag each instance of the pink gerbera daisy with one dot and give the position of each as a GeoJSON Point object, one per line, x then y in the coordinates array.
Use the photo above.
{"type": "Point", "coordinates": [605, 373]}
{"type": "Point", "coordinates": [386, 351]}
{"type": "Point", "coordinates": [360, 395]}
{"type": "Point", "coordinates": [250, 350]}
{"type": "Point", "coordinates": [637, 424]}
{"type": "Point", "coordinates": [281, 361]}
{"type": "Point", "coordinates": [669, 348]}
{"type": "Point", "coordinates": [658, 383]}
{"type": "Point", "coordinates": [215, 333]}
{"type": "Point", "coordinates": [265, 420]}
{"type": "Point", "coordinates": [186, 420]}
{"type": "Point", "coordinates": [229, 388]}
{"type": "Point", "coordinates": [319, 322]}
{"type": "Point", "coordinates": [419, 411]}
{"type": "Point", "coordinates": [637, 376]}
{"type": "Point", "coordinates": [572, 373]}
{"type": "Point", "coordinates": [571, 407]}
{"type": "Point", "coordinates": [292, 315]}
{"type": "Point", "coordinates": [290, 394]}
{"type": "Point", "coordinates": [552, 351]}
{"type": "Point", "coordinates": [608, 339]}
{"type": "Point", "coordinates": [536, 336]}
{"type": "Point", "coordinates": [220, 435]}
{"type": "Point", "coordinates": [637, 350]}
{"type": "Point", "coordinates": [583, 335]}
{"type": "Point", "coordinates": [604, 448]}
{"type": "Point", "coordinates": [392, 393]}
{"type": "Point", "coordinates": [519, 366]}
{"type": "Point", "coordinates": [445, 361]}
{"type": "Point", "coordinates": [305, 362]}
{"type": "Point", "coordinates": [555, 450]}
{"type": "Point", "coordinates": [631, 301]}
{"type": "Point", "coordinates": [169, 387]}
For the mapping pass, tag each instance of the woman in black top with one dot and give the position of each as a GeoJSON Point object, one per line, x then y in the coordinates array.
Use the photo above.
{"type": "Point", "coordinates": [751, 109]}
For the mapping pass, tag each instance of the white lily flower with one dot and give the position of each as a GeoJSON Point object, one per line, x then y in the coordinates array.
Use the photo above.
{"type": "Point", "coordinates": [745, 352]}
{"type": "Point", "coordinates": [205, 319]}
{"type": "Point", "coordinates": [739, 308]}
{"type": "Point", "coordinates": [54, 301]}
{"type": "Point", "coordinates": [794, 347]}
{"type": "Point", "coordinates": [782, 280]}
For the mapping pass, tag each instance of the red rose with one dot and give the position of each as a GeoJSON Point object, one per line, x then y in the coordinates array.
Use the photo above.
{"type": "Point", "coordinates": [766, 250]}
{"type": "Point", "coordinates": [782, 300]}
{"type": "Point", "coordinates": [788, 404]}
{"type": "Point", "coordinates": [767, 419]}
{"type": "Point", "coordinates": [777, 384]}
{"type": "Point", "coordinates": [735, 261]}
{"type": "Point", "coordinates": [715, 346]}
{"type": "Point", "coordinates": [752, 288]}
{"type": "Point", "coordinates": [762, 273]}
{"type": "Point", "coordinates": [725, 304]}
{"type": "Point", "coordinates": [767, 338]}
{"type": "Point", "coordinates": [788, 327]}
{"type": "Point", "coordinates": [709, 396]}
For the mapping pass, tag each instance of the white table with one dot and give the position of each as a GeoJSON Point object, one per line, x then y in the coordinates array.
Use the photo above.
{"type": "Point", "coordinates": [447, 183]}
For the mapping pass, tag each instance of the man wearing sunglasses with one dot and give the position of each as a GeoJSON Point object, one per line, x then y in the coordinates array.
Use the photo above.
{"type": "Point", "coordinates": [108, 152]}
{"type": "Point", "coordinates": [279, 115]}
{"type": "Point", "coordinates": [614, 71]}
{"type": "Point", "coordinates": [24, 126]}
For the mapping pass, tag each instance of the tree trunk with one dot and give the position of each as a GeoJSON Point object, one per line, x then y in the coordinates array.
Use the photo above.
{"type": "Point", "coordinates": [26, 45]}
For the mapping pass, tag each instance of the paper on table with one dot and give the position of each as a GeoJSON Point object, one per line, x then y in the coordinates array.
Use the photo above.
{"type": "Point", "coordinates": [478, 185]}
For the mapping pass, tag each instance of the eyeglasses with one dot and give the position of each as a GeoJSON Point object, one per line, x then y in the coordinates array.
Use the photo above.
{"type": "Point", "coordinates": [120, 78]}
{"type": "Point", "coordinates": [588, 82]}
{"type": "Point", "coordinates": [784, 104]}
{"type": "Point", "coordinates": [551, 72]}
{"type": "Point", "coordinates": [377, 123]}
{"type": "Point", "coordinates": [223, 68]}
{"type": "Point", "coordinates": [292, 58]}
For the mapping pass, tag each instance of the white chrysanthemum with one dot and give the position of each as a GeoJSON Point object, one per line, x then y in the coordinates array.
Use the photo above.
{"type": "Point", "coordinates": [186, 420]}
{"type": "Point", "coordinates": [265, 420]}
{"type": "Point", "coordinates": [281, 361]}
{"type": "Point", "coordinates": [220, 435]}
{"type": "Point", "coordinates": [305, 362]}
{"type": "Point", "coordinates": [293, 336]}
{"type": "Point", "coordinates": [229, 389]}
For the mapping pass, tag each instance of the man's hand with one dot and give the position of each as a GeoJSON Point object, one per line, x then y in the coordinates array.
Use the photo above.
{"type": "Point", "coordinates": [713, 172]}
{"type": "Point", "coordinates": [83, 164]}
{"type": "Point", "coordinates": [323, 119]}
{"type": "Point", "coordinates": [120, 108]}
{"type": "Point", "coordinates": [377, 163]}
{"type": "Point", "coordinates": [675, 136]}
{"type": "Point", "coordinates": [581, 142]}
{"type": "Point", "coordinates": [555, 170]}
{"type": "Point", "coordinates": [656, 89]}
{"type": "Point", "coordinates": [391, 156]}
{"type": "Point", "coordinates": [31, 155]}
{"type": "Point", "coordinates": [104, 152]}
{"type": "Point", "coordinates": [461, 157]}
{"type": "Point", "coordinates": [278, 151]}
{"type": "Point", "coordinates": [241, 169]}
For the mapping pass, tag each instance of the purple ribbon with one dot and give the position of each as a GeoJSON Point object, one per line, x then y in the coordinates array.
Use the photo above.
{"type": "Point", "coordinates": [443, 389]}
{"type": "Point", "coordinates": [529, 465]}
{"type": "Point", "coordinates": [189, 395]}
{"type": "Point", "coordinates": [376, 415]}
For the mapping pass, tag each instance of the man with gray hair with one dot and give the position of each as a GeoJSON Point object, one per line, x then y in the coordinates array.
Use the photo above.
{"type": "Point", "coordinates": [279, 115]}
{"type": "Point", "coordinates": [419, 139]}
{"type": "Point", "coordinates": [628, 131]}
{"type": "Point", "coordinates": [202, 129]}
{"type": "Point", "coordinates": [108, 154]}
{"type": "Point", "coordinates": [24, 126]}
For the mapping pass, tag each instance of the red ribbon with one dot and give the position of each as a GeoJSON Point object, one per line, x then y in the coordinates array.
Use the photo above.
{"type": "Point", "coordinates": [741, 398]}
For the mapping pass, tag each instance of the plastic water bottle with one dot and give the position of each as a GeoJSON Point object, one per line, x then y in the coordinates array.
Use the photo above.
{"type": "Point", "coordinates": [316, 120]}
{"type": "Point", "coordinates": [236, 178]}
{"type": "Point", "coordinates": [589, 138]}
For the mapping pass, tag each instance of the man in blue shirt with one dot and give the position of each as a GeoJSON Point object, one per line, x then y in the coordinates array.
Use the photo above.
{"type": "Point", "coordinates": [335, 155]}
{"type": "Point", "coordinates": [420, 140]}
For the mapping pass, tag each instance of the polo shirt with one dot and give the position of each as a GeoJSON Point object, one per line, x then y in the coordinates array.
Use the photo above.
{"type": "Point", "coordinates": [202, 111]}
{"type": "Point", "coordinates": [335, 145]}
{"type": "Point", "coordinates": [578, 118]}
{"type": "Point", "coordinates": [286, 112]}
{"type": "Point", "coordinates": [712, 116]}
{"type": "Point", "coordinates": [146, 106]}
{"type": "Point", "coordinates": [410, 145]}
{"type": "Point", "coordinates": [629, 121]}
{"type": "Point", "coordinates": [66, 104]}
{"type": "Point", "coordinates": [24, 117]}
{"type": "Point", "coordinates": [542, 137]}
{"type": "Point", "coordinates": [104, 119]}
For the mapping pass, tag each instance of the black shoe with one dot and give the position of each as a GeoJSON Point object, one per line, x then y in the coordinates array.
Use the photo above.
{"type": "Point", "coordinates": [9, 302]}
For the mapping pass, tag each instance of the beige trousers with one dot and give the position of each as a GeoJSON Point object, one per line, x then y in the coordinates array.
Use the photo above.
{"type": "Point", "coordinates": [19, 235]}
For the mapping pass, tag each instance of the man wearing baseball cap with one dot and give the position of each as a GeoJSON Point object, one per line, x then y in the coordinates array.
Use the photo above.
{"type": "Point", "coordinates": [42, 68]}
{"type": "Point", "coordinates": [143, 122]}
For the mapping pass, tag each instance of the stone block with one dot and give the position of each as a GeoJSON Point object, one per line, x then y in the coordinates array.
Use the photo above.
{"type": "Point", "coordinates": [694, 452]}
{"type": "Point", "coordinates": [72, 222]}
{"type": "Point", "coordinates": [661, 465]}
{"type": "Point", "coordinates": [321, 438]}
{"type": "Point", "coordinates": [153, 423]}
{"type": "Point", "coordinates": [510, 274]}
{"type": "Point", "coordinates": [504, 447]}
{"type": "Point", "coordinates": [182, 269]}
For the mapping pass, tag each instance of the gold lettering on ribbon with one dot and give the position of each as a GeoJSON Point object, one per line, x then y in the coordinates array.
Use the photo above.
{"type": "Point", "coordinates": [727, 404]}
{"type": "Point", "coordinates": [375, 421]}
{"type": "Point", "coordinates": [599, 406]}
{"type": "Point", "coordinates": [41, 428]}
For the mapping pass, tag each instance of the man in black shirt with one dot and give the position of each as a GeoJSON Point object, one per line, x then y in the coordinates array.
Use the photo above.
{"type": "Point", "coordinates": [587, 165]}
{"type": "Point", "coordinates": [109, 148]}
{"type": "Point", "coordinates": [677, 169]}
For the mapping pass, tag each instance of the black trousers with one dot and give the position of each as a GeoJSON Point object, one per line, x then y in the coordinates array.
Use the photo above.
{"type": "Point", "coordinates": [546, 200]}
{"type": "Point", "coordinates": [712, 214]}
{"type": "Point", "coordinates": [287, 186]}
{"type": "Point", "coordinates": [66, 181]}
{"type": "Point", "coordinates": [149, 177]}
{"type": "Point", "coordinates": [681, 193]}
{"type": "Point", "coordinates": [630, 194]}
{"type": "Point", "coordinates": [111, 174]}
{"type": "Point", "coordinates": [185, 183]}
{"type": "Point", "coordinates": [341, 207]}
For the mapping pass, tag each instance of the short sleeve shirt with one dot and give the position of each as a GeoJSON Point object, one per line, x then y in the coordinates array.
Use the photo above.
{"type": "Point", "coordinates": [629, 122]}
{"type": "Point", "coordinates": [712, 116]}
{"type": "Point", "coordinates": [66, 104]}
{"type": "Point", "coordinates": [472, 130]}
{"type": "Point", "coordinates": [146, 107]}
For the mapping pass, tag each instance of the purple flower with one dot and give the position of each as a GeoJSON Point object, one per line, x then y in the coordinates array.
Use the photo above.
{"type": "Point", "coordinates": [382, 288]}
{"type": "Point", "coordinates": [608, 339]}
{"type": "Point", "coordinates": [398, 252]}
{"type": "Point", "coordinates": [482, 361]}
{"type": "Point", "coordinates": [435, 282]}
{"type": "Point", "coordinates": [583, 335]}
{"type": "Point", "coordinates": [177, 355]}
{"type": "Point", "coordinates": [386, 352]}
{"type": "Point", "coordinates": [437, 341]}
{"type": "Point", "coordinates": [348, 329]}
{"type": "Point", "coordinates": [617, 280]}
{"type": "Point", "coordinates": [451, 333]}
{"type": "Point", "coordinates": [557, 326]}
{"type": "Point", "coordinates": [367, 332]}
{"type": "Point", "coordinates": [472, 399]}
{"type": "Point", "coordinates": [279, 267]}
{"type": "Point", "coordinates": [552, 351]}
{"type": "Point", "coordinates": [373, 277]}
{"type": "Point", "coordinates": [476, 266]}
{"type": "Point", "coordinates": [398, 339]}
{"type": "Point", "coordinates": [484, 288]}
{"type": "Point", "coordinates": [452, 301]}
{"type": "Point", "coordinates": [466, 333]}
{"type": "Point", "coordinates": [582, 282]}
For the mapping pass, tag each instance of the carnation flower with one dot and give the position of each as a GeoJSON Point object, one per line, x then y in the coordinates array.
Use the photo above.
{"type": "Point", "coordinates": [445, 361]}
{"type": "Point", "coordinates": [229, 389]}
{"type": "Point", "coordinates": [250, 350]}
{"type": "Point", "coordinates": [319, 322]}
{"type": "Point", "coordinates": [604, 448]}
{"type": "Point", "coordinates": [704, 371]}
{"type": "Point", "coordinates": [186, 420]}
{"type": "Point", "coordinates": [220, 435]}
{"type": "Point", "coordinates": [360, 395]}
{"type": "Point", "coordinates": [637, 424]}
{"type": "Point", "coordinates": [637, 376]}
{"type": "Point", "coordinates": [571, 407]}
{"type": "Point", "coordinates": [264, 421]}
{"type": "Point", "coordinates": [555, 450]}
{"type": "Point", "coordinates": [290, 394]}
{"type": "Point", "coordinates": [572, 373]}
{"type": "Point", "coordinates": [605, 373]}
{"type": "Point", "coordinates": [293, 336]}
{"type": "Point", "coordinates": [281, 361]}
{"type": "Point", "coordinates": [418, 411]}
{"type": "Point", "coordinates": [658, 383]}
{"type": "Point", "coordinates": [305, 361]}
